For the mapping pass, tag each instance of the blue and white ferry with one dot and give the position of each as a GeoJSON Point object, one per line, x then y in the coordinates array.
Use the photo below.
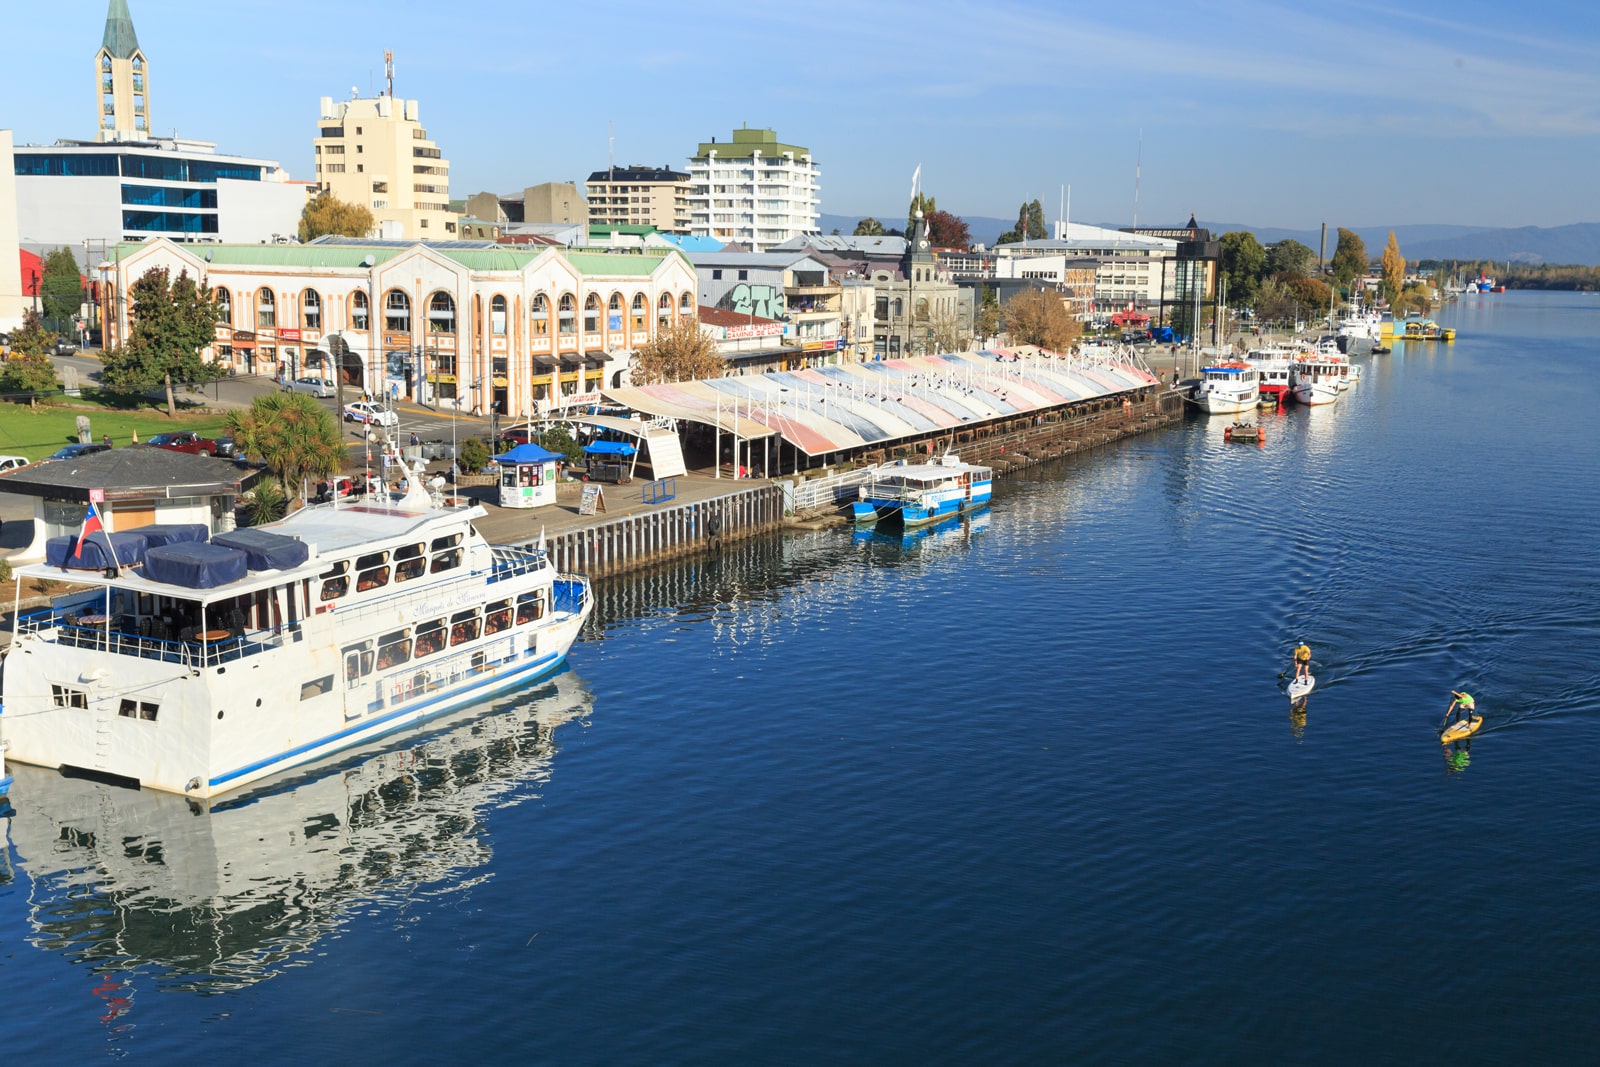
{"type": "Point", "coordinates": [199, 664]}
{"type": "Point", "coordinates": [915, 494]}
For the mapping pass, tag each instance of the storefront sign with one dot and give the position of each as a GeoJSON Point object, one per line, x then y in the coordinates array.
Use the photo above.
{"type": "Point", "coordinates": [762, 329]}
{"type": "Point", "coordinates": [286, 333]}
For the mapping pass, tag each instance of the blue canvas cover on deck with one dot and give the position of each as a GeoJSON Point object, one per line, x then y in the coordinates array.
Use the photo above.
{"type": "Point", "coordinates": [97, 553]}
{"type": "Point", "coordinates": [172, 533]}
{"type": "Point", "coordinates": [528, 453]}
{"type": "Point", "coordinates": [609, 448]}
{"type": "Point", "coordinates": [195, 565]}
{"type": "Point", "coordinates": [265, 551]}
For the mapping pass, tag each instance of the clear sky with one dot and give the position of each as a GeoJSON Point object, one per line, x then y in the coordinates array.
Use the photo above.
{"type": "Point", "coordinates": [1262, 113]}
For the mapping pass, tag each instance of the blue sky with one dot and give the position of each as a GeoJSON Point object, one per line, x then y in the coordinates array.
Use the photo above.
{"type": "Point", "coordinates": [1269, 114]}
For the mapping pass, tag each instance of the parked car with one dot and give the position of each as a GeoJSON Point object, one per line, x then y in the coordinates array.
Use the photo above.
{"type": "Point", "coordinates": [347, 487]}
{"type": "Point", "coordinates": [74, 451]}
{"type": "Point", "coordinates": [12, 463]}
{"type": "Point", "coordinates": [519, 435]}
{"type": "Point", "coordinates": [368, 411]}
{"type": "Point", "coordinates": [65, 347]}
{"type": "Point", "coordinates": [226, 448]}
{"type": "Point", "coordinates": [186, 441]}
{"type": "Point", "coordinates": [315, 386]}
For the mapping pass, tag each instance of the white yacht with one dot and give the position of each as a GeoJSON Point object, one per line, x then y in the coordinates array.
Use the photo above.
{"type": "Point", "coordinates": [1229, 388]}
{"type": "Point", "coordinates": [1316, 379]}
{"type": "Point", "coordinates": [198, 664]}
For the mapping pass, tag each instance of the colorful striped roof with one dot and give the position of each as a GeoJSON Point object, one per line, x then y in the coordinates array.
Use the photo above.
{"type": "Point", "coordinates": [853, 405]}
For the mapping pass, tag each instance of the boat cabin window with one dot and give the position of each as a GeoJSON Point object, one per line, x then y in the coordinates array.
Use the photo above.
{"type": "Point", "coordinates": [138, 709]}
{"type": "Point", "coordinates": [464, 626]}
{"type": "Point", "coordinates": [316, 687]}
{"type": "Point", "coordinates": [410, 561]}
{"type": "Point", "coordinates": [357, 661]}
{"type": "Point", "coordinates": [371, 560]}
{"type": "Point", "coordinates": [372, 579]}
{"type": "Point", "coordinates": [430, 637]}
{"type": "Point", "coordinates": [63, 697]}
{"type": "Point", "coordinates": [442, 543]}
{"type": "Point", "coordinates": [394, 649]}
{"type": "Point", "coordinates": [530, 608]}
{"type": "Point", "coordinates": [336, 581]}
{"type": "Point", "coordinates": [497, 617]}
{"type": "Point", "coordinates": [444, 561]}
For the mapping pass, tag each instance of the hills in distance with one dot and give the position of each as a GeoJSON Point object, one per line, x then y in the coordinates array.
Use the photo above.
{"type": "Point", "coordinates": [1577, 243]}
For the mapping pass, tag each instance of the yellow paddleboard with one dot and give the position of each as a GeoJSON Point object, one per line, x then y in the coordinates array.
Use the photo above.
{"type": "Point", "coordinates": [1461, 730]}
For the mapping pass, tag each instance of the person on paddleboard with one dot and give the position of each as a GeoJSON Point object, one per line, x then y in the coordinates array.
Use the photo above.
{"type": "Point", "coordinates": [1463, 707]}
{"type": "Point", "coordinates": [1302, 661]}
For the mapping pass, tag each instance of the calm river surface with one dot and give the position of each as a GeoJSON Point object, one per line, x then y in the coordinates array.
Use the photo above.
{"type": "Point", "coordinates": [1021, 790]}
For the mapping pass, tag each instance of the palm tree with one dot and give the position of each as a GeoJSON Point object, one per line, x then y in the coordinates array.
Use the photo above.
{"type": "Point", "coordinates": [293, 435]}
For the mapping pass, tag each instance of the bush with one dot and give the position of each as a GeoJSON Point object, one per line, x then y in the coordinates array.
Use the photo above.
{"type": "Point", "coordinates": [558, 440]}
{"type": "Point", "coordinates": [5, 571]}
{"type": "Point", "coordinates": [267, 502]}
{"type": "Point", "coordinates": [474, 454]}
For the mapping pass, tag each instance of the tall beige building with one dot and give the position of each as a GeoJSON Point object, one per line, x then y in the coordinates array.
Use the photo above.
{"type": "Point", "coordinates": [374, 151]}
{"type": "Point", "coordinates": [639, 196]}
{"type": "Point", "coordinates": [122, 80]}
{"type": "Point", "coordinates": [11, 303]}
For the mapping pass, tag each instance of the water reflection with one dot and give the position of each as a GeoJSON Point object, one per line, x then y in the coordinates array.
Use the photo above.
{"type": "Point", "coordinates": [895, 544]}
{"type": "Point", "coordinates": [135, 880]}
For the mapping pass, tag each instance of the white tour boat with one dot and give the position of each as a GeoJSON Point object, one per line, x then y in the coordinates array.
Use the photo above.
{"type": "Point", "coordinates": [1316, 379]}
{"type": "Point", "coordinates": [916, 494]}
{"type": "Point", "coordinates": [198, 665]}
{"type": "Point", "coordinates": [1229, 388]}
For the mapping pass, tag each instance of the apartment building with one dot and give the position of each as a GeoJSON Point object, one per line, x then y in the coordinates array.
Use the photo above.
{"type": "Point", "coordinates": [639, 196]}
{"type": "Point", "coordinates": [374, 151]}
{"type": "Point", "coordinates": [753, 190]}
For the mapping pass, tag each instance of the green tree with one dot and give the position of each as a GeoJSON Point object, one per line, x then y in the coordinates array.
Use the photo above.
{"type": "Point", "coordinates": [1289, 259]}
{"type": "Point", "coordinates": [296, 437]}
{"type": "Point", "coordinates": [1394, 270]}
{"type": "Point", "coordinates": [1039, 317]}
{"type": "Point", "coordinates": [869, 227]}
{"type": "Point", "coordinates": [1350, 259]}
{"type": "Point", "coordinates": [327, 214]}
{"type": "Point", "coordinates": [28, 368]}
{"type": "Point", "coordinates": [1243, 261]}
{"type": "Point", "coordinates": [987, 323]}
{"type": "Point", "coordinates": [921, 202]}
{"type": "Point", "coordinates": [173, 320]}
{"type": "Point", "coordinates": [1313, 295]}
{"type": "Point", "coordinates": [474, 454]}
{"type": "Point", "coordinates": [1029, 227]}
{"type": "Point", "coordinates": [61, 288]}
{"type": "Point", "coordinates": [679, 353]}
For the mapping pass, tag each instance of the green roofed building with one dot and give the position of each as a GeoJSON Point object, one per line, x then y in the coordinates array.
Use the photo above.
{"type": "Point", "coordinates": [753, 190]}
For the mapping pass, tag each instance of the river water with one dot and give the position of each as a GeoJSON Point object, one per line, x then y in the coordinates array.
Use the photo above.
{"type": "Point", "coordinates": [1023, 789]}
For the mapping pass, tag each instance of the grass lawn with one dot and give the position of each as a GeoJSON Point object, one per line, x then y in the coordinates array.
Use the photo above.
{"type": "Point", "coordinates": [38, 432]}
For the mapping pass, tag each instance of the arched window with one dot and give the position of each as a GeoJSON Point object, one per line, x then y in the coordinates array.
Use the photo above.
{"type": "Point", "coordinates": [638, 312]}
{"type": "Point", "coordinates": [569, 322]}
{"type": "Point", "coordinates": [441, 313]}
{"type": "Point", "coordinates": [539, 317]}
{"type": "Point", "coordinates": [105, 62]}
{"type": "Point", "coordinates": [664, 310]}
{"type": "Point", "coordinates": [224, 308]}
{"type": "Point", "coordinates": [397, 311]}
{"type": "Point", "coordinates": [922, 308]}
{"type": "Point", "coordinates": [591, 314]}
{"type": "Point", "coordinates": [497, 316]}
{"type": "Point", "coordinates": [899, 308]}
{"type": "Point", "coordinates": [616, 303]}
{"type": "Point", "coordinates": [311, 310]}
{"type": "Point", "coordinates": [266, 310]}
{"type": "Point", "coordinates": [358, 310]}
{"type": "Point", "coordinates": [686, 305]}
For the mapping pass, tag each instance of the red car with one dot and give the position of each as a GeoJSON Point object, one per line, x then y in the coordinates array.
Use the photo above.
{"type": "Point", "coordinates": [186, 441]}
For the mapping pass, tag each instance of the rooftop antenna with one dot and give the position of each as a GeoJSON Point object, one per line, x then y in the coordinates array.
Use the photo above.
{"type": "Point", "coordinates": [388, 70]}
{"type": "Point", "coordinates": [611, 151]}
{"type": "Point", "coordinates": [1138, 164]}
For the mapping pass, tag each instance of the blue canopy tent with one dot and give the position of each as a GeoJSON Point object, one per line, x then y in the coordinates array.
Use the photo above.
{"type": "Point", "coordinates": [611, 461]}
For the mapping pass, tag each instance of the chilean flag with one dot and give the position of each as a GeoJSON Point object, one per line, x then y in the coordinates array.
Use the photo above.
{"type": "Point", "coordinates": [91, 524]}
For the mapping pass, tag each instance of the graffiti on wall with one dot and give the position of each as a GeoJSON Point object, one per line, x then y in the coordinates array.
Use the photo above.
{"type": "Point", "coordinates": [765, 301]}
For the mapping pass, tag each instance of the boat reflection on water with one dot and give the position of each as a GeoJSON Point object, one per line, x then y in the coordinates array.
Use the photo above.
{"type": "Point", "coordinates": [134, 881]}
{"type": "Point", "coordinates": [894, 543]}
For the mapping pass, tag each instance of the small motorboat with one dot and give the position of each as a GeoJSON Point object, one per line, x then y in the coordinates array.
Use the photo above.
{"type": "Point", "coordinates": [1244, 433]}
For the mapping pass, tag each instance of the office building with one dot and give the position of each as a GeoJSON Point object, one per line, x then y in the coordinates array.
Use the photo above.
{"type": "Point", "coordinates": [753, 190]}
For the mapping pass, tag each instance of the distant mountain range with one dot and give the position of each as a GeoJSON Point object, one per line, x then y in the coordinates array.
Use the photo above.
{"type": "Point", "coordinates": [1576, 243]}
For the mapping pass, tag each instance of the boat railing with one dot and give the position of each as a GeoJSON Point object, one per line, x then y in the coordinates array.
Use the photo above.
{"type": "Point", "coordinates": [571, 594]}
{"type": "Point", "coordinates": [508, 561]}
{"type": "Point", "coordinates": [191, 653]}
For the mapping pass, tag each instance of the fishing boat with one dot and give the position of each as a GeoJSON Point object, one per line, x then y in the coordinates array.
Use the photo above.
{"type": "Point", "coordinates": [1272, 363]}
{"type": "Point", "coordinates": [915, 494]}
{"type": "Point", "coordinates": [1228, 388]}
{"type": "Point", "coordinates": [199, 663]}
{"type": "Point", "coordinates": [1316, 380]}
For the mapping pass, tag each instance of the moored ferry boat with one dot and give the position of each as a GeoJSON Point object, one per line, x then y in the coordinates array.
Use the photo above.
{"type": "Point", "coordinates": [1316, 380]}
{"type": "Point", "coordinates": [915, 494]}
{"type": "Point", "coordinates": [1229, 388]}
{"type": "Point", "coordinates": [198, 665]}
{"type": "Point", "coordinates": [1272, 365]}
{"type": "Point", "coordinates": [1425, 330]}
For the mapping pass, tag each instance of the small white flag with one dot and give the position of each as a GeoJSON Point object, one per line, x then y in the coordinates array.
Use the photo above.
{"type": "Point", "coordinates": [916, 176]}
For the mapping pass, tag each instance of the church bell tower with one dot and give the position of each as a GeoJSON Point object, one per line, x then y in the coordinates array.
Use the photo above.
{"type": "Point", "coordinates": [122, 80]}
